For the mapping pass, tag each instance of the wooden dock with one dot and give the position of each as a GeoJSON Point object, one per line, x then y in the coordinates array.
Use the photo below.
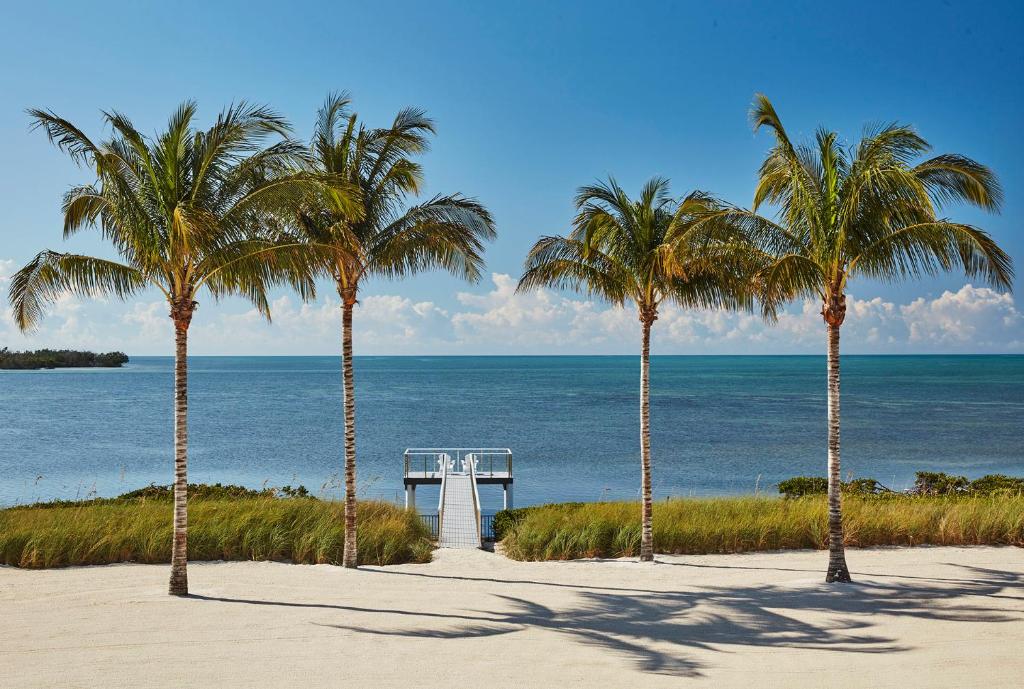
{"type": "Point", "coordinates": [459, 472]}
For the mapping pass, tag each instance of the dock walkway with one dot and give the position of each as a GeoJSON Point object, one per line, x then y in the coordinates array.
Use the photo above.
{"type": "Point", "coordinates": [459, 527]}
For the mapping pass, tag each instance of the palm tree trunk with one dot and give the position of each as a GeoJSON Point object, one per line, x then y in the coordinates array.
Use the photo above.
{"type": "Point", "coordinates": [646, 537]}
{"type": "Point", "coordinates": [837, 570]}
{"type": "Point", "coordinates": [351, 555]}
{"type": "Point", "coordinates": [179, 549]}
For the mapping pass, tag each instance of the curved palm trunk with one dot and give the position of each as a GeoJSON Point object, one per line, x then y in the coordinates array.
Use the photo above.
{"type": "Point", "coordinates": [646, 537]}
{"type": "Point", "coordinates": [351, 555]}
{"type": "Point", "coordinates": [179, 549]}
{"type": "Point", "coordinates": [837, 570]}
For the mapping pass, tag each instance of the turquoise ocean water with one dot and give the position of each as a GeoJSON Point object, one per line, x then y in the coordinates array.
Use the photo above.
{"type": "Point", "coordinates": [720, 424]}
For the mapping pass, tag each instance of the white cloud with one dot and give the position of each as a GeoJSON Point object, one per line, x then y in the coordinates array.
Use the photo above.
{"type": "Point", "coordinates": [973, 317]}
{"type": "Point", "coordinates": [499, 320]}
{"type": "Point", "coordinates": [6, 270]}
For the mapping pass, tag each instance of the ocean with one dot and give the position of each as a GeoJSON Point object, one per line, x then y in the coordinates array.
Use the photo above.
{"type": "Point", "coordinates": [720, 424]}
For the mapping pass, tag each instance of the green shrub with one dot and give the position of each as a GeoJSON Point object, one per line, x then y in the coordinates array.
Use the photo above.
{"type": "Point", "coordinates": [994, 484]}
{"type": "Point", "coordinates": [799, 486]}
{"type": "Point", "coordinates": [928, 483]}
{"type": "Point", "coordinates": [741, 524]}
{"type": "Point", "coordinates": [940, 483]}
{"type": "Point", "coordinates": [301, 530]}
{"type": "Point", "coordinates": [863, 486]}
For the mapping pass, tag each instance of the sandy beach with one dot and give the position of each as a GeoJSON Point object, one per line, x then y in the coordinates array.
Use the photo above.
{"type": "Point", "coordinates": [936, 617]}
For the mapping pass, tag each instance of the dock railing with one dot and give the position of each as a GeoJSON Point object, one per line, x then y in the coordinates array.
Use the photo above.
{"type": "Point", "coordinates": [470, 464]}
{"type": "Point", "coordinates": [443, 460]}
{"type": "Point", "coordinates": [423, 462]}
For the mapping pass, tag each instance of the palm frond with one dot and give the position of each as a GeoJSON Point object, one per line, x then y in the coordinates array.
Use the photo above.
{"type": "Point", "coordinates": [560, 263]}
{"type": "Point", "coordinates": [954, 178]}
{"type": "Point", "coordinates": [64, 135]}
{"type": "Point", "coordinates": [50, 274]}
{"type": "Point", "coordinates": [172, 204]}
{"type": "Point", "coordinates": [930, 247]}
{"type": "Point", "coordinates": [865, 210]}
{"type": "Point", "coordinates": [785, 278]}
{"type": "Point", "coordinates": [446, 232]}
{"type": "Point", "coordinates": [325, 132]}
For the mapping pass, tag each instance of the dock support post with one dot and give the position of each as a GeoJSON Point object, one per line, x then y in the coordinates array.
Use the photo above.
{"type": "Point", "coordinates": [506, 496]}
{"type": "Point", "coordinates": [410, 497]}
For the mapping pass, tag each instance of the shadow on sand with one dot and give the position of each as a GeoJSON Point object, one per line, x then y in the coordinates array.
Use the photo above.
{"type": "Point", "coordinates": [656, 629]}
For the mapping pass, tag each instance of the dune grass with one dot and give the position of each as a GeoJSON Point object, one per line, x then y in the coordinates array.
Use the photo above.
{"type": "Point", "coordinates": [300, 530]}
{"type": "Point", "coordinates": [742, 524]}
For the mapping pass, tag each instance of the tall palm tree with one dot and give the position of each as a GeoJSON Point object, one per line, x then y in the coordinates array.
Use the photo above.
{"type": "Point", "coordinates": [378, 235]}
{"type": "Point", "coordinates": [184, 212]}
{"type": "Point", "coordinates": [647, 251]}
{"type": "Point", "coordinates": [869, 210]}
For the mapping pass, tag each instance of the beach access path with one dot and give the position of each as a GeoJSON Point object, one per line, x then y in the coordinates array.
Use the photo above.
{"type": "Point", "coordinates": [921, 617]}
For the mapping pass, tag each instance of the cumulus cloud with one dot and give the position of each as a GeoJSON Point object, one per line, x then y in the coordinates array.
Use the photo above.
{"type": "Point", "coordinates": [973, 317]}
{"type": "Point", "coordinates": [498, 320]}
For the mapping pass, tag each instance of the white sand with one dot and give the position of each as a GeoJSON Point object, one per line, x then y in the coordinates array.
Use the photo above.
{"type": "Point", "coordinates": [926, 617]}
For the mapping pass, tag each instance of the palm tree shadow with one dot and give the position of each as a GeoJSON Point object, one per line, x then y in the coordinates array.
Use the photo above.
{"type": "Point", "coordinates": [659, 631]}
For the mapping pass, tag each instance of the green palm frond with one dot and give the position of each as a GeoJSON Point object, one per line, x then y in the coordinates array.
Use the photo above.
{"type": "Point", "coordinates": [82, 208]}
{"type": "Point", "coordinates": [785, 278]}
{"type": "Point", "coordinates": [560, 263]}
{"type": "Point", "coordinates": [446, 232]}
{"type": "Point", "coordinates": [50, 274]}
{"type": "Point", "coordinates": [330, 117]}
{"type": "Point", "coordinates": [64, 135]}
{"type": "Point", "coordinates": [181, 208]}
{"type": "Point", "coordinates": [649, 250]}
{"type": "Point", "coordinates": [355, 203]}
{"type": "Point", "coordinates": [931, 247]}
{"type": "Point", "coordinates": [953, 178]}
{"type": "Point", "coordinates": [866, 210]}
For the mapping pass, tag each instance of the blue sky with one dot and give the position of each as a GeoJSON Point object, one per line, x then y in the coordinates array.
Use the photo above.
{"type": "Point", "coordinates": [531, 101]}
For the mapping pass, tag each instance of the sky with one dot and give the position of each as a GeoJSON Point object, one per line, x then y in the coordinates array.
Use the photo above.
{"type": "Point", "coordinates": [531, 100]}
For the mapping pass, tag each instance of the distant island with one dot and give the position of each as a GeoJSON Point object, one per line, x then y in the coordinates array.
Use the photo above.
{"type": "Point", "coordinates": [60, 358]}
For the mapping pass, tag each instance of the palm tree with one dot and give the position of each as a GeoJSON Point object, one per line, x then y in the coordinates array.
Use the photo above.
{"type": "Point", "coordinates": [648, 251]}
{"type": "Point", "coordinates": [870, 211]}
{"type": "Point", "coordinates": [183, 211]}
{"type": "Point", "coordinates": [379, 235]}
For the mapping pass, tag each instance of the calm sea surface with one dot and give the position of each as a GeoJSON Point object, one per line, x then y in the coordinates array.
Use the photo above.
{"type": "Point", "coordinates": [720, 424]}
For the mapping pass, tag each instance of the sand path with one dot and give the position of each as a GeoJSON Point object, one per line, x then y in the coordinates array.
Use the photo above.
{"type": "Point", "coordinates": [934, 617]}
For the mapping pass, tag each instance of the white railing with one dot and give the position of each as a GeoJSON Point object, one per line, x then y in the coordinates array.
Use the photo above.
{"type": "Point", "coordinates": [443, 461]}
{"type": "Point", "coordinates": [491, 461]}
{"type": "Point", "coordinates": [470, 463]}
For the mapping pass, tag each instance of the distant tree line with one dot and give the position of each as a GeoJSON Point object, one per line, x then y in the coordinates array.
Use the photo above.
{"type": "Point", "coordinates": [60, 358]}
{"type": "Point", "coordinates": [927, 483]}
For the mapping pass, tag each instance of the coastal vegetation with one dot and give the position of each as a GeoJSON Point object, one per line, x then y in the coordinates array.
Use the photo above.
{"type": "Point", "coordinates": [756, 523]}
{"type": "Point", "coordinates": [226, 523]}
{"type": "Point", "coordinates": [873, 211]}
{"type": "Point", "coordinates": [236, 523]}
{"type": "Point", "coordinates": [927, 483]}
{"type": "Point", "coordinates": [374, 233]}
{"type": "Point", "coordinates": [60, 358]}
{"type": "Point", "coordinates": [185, 211]}
{"type": "Point", "coordinates": [201, 491]}
{"type": "Point", "coordinates": [646, 252]}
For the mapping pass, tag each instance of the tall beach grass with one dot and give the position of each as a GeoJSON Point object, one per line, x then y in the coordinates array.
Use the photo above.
{"type": "Point", "coordinates": [300, 530]}
{"type": "Point", "coordinates": [742, 524]}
